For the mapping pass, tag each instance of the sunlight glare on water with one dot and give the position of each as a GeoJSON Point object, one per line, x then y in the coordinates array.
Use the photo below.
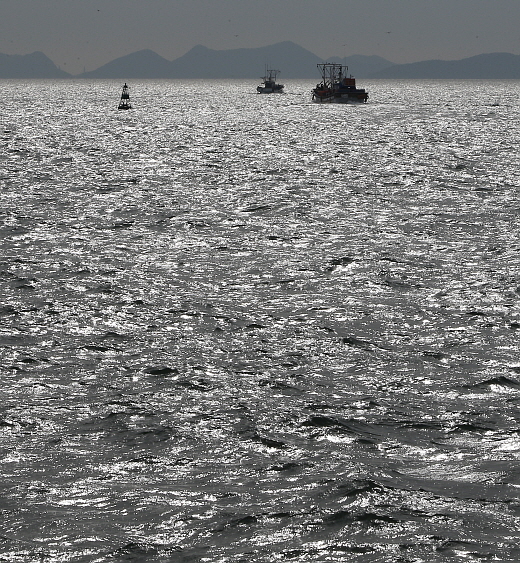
{"type": "Point", "coordinates": [249, 327]}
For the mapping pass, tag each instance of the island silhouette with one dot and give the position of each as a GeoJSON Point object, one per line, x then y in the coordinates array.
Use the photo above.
{"type": "Point", "coordinates": [293, 60]}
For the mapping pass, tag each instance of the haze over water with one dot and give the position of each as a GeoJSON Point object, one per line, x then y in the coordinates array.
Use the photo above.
{"type": "Point", "coordinates": [240, 327]}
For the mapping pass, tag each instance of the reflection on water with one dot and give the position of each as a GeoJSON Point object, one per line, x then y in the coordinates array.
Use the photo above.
{"type": "Point", "coordinates": [240, 327]}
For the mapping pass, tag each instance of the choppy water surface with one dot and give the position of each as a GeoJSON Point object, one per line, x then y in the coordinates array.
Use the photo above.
{"type": "Point", "coordinates": [239, 327]}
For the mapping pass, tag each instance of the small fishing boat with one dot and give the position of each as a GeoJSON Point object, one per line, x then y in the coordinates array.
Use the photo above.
{"type": "Point", "coordinates": [269, 85]}
{"type": "Point", "coordinates": [124, 102]}
{"type": "Point", "coordinates": [336, 86]}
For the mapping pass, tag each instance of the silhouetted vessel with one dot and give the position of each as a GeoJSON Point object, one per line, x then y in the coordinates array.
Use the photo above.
{"type": "Point", "coordinates": [336, 86]}
{"type": "Point", "coordinates": [124, 102]}
{"type": "Point", "coordinates": [269, 85]}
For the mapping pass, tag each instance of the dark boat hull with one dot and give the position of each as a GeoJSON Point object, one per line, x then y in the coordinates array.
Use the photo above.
{"type": "Point", "coordinates": [270, 89]}
{"type": "Point", "coordinates": [352, 97]}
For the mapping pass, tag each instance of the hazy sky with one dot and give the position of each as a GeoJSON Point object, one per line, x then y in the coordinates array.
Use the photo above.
{"type": "Point", "coordinates": [78, 34]}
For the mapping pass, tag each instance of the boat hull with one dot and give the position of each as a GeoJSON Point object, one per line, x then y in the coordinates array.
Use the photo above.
{"type": "Point", "coordinates": [269, 90]}
{"type": "Point", "coordinates": [340, 97]}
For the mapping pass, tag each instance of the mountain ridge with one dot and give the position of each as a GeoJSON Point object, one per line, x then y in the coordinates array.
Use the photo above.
{"type": "Point", "coordinates": [484, 66]}
{"type": "Point", "coordinates": [291, 59]}
{"type": "Point", "coordinates": [33, 65]}
{"type": "Point", "coordinates": [202, 62]}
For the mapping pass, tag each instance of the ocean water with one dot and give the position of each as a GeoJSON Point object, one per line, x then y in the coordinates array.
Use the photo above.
{"type": "Point", "coordinates": [240, 327]}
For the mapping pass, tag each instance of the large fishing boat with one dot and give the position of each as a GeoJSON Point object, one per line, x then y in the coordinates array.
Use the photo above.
{"type": "Point", "coordinates": [336, 86]}
{"type": "Point", "coordinates": [269, 85]}
{"type": "Point", "coordinates": [124, 102]}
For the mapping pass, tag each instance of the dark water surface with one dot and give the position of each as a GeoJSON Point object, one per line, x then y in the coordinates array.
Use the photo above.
{"type": "Point", "coordinates": [238, 327]}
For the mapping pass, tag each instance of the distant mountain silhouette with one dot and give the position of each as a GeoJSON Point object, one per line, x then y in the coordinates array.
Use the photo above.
{"type": "Point", "coordinates": [201, 62]}
{"type": "Point", "coordinates": [292, 60]}
{"type": "Point", "coordinates": [486, 66]}
{"type": "Point", "coordinates": [35, 65]}
{"type": "Point", "coordinates": [141, 64]}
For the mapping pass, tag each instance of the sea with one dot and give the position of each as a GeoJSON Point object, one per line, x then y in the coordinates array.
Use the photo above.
{"type": "Point", "coordinates": [251, 328]}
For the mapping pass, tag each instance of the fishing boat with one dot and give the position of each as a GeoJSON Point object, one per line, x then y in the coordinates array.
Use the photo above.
{"type": "Point", "coordinates": [124, 102]}
{"type": "Point", "coordinates": [336, 86]}
{"type": "Point", "coordinates": [269, 85]}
